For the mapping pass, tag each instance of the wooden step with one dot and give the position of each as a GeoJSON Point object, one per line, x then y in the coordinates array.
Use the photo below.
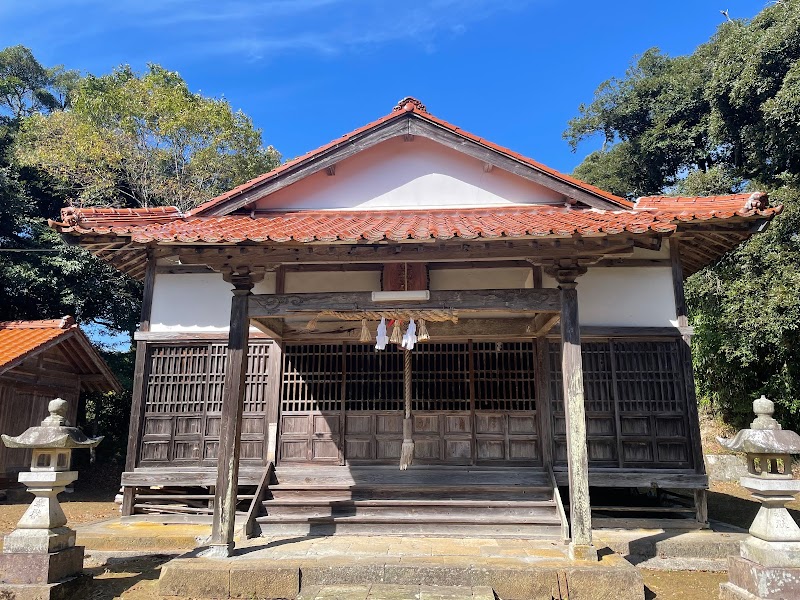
{"type": "Point", "coordinates": [382, 476]}
{"type": "Point", "coordinates": [432, 492]}
{"type": "Point", "coordinates": [463, 509]}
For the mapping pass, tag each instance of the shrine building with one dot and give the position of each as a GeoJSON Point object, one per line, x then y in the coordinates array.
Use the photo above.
{"type": "Point", "coordinates": [548, 387]}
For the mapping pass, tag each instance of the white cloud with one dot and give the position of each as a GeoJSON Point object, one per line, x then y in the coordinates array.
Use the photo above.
{"type": "Point", "coordinates": [256, 30]}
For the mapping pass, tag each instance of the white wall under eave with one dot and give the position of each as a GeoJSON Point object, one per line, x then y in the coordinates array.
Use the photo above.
{"type": "Point", "coordinates": [510, 278]}
{"type": "Point", "coordinates": [625, 297]}
{"type": "Point", "coordinates": [332, 281]}
{"type": "Point", "coordinates": [196, 302]}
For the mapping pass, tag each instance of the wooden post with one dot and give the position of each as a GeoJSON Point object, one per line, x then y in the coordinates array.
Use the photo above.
{"type": "Point", "coordinates": [580, 547]}
{"type": "Point", "coordinates": [226, 492]}
{"type": "Point", "coordinates": [275, 374]}
{"type": "Point", "coordinates": [693, 417]}
{"type": "Point", "coordinates": [544, 416]}
{"type": "Point", "coordinates": [140, 374]}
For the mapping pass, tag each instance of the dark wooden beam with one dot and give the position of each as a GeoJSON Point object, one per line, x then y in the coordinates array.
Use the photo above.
{"type": "Point", "coordinates": [273, 328]}
{"type": "Point", "coordinates": [580, 546]}
{"type": "Point", "coordinates": [686, 359]}
{"type": "Point", "coordinates": [536, 251]}
{"type": "Point", "coordinates": [544, 322]}
{"type": "Point", "coordinates": [226, 490]}
{"type": "Point", "coordinates": [140, 376]}
{"type": "Point", "coordinates": [512, 301]}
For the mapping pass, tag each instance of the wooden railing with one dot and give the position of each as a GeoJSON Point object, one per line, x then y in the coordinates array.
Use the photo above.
{"type": "Point", "coordinates": [559, 505]}
{"type": "Point", "coordinates": [258, 498]}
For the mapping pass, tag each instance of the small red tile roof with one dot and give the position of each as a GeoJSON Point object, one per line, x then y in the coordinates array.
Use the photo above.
{"type": "Point", "coordinates": [18, 339]}
{"type": "Point", "coordinates": [22, 339]}
{"type": "Point", "coordinates": [659, 214]}
{"type": "Point", "coordinates": [402, 110]}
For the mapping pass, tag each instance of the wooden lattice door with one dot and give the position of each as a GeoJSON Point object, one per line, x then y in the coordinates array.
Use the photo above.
{"type": "Point", "coordinates": [183, 404]}
{"type": "Point", "coordinates": [636, 404]}
{"type": "Point", "coordinates": [473, 403]}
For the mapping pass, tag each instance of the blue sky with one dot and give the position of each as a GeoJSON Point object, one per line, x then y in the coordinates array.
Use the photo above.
{"type": "Point", "coordinates": [308, 71]}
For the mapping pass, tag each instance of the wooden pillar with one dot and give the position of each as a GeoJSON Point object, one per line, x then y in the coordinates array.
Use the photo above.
{"type": "Point", "coordinates": [226, 491]}
{"type": "Point", "coordinates": [140, 375]}
{"type": "Point", "coordinates": [275, 374]}
{"type": "Point", "coordinates": [693, 417]}
{"type": "Point", "coordinates": [580, 547]}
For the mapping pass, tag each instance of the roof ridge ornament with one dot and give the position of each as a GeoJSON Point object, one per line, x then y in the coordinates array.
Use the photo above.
{"type": "Point", "coordinates": [757, 201]}
{"type": "Point", "coordinates": [410, 104]}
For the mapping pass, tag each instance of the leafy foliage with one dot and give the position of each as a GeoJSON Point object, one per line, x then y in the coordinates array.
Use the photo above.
{"type": "Point", "coordinates": [723, 119]}
{"type": "Point", "coordinates": [146, 140]}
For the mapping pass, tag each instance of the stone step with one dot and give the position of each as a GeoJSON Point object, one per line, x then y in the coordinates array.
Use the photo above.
{"type": "Point", "coordinates": [541, 528]}
{"type": "Point", "coordinates": [394, 592]}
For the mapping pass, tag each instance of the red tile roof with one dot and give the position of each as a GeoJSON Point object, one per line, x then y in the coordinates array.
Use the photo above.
{"type": "Point", "coordinates": [657, 214]}
{"type": "Point", "coordinates": [18, 339]}
{"type": "Point", "coordinates": [22, 339]}
{"type": "Point", "coordinates": [403, 109]}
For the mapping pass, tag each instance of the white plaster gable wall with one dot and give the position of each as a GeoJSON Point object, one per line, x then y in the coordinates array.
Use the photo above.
{"type": "Point", "coordinates": [199, 302]}
{"type": "Point", "coordinates": [625, 297]}
{"type": "Point", "coordinates": [407, 175]}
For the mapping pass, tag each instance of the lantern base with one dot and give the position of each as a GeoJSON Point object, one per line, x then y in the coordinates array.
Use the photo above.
{"type": "Point", "coordinates": [39, 541]}
{"type": "Point", "coordinates": [771, 554]}
{"type": "Point", "coordinates": [26, 568]}
{"type": "Point", "coordinates": [756, 582]}
{"type": "Point", "coordinates": [69, 589]}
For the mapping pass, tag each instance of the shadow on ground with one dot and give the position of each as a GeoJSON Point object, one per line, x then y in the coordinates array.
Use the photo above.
{"type": "Point", "coordinates": [136, 577]}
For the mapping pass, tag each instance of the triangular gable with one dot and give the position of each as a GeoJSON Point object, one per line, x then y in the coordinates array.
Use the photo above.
{"type": "Point", "coordinates": [409, 118]}
{"type": "Point", "coordinates": [21, 340]}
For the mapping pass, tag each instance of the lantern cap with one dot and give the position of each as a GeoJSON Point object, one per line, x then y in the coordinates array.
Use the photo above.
{"type": "Point", "coordinates": [54, 432]}
{"type": "Point", "coordinates": [765, 435]}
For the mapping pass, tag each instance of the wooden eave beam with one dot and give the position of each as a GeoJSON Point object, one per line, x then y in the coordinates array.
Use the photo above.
{"type": "Point", "coordinates": [534, 251]}
{"type": "Point", "coordinates": [510, 301]}
{"type": "Point", "coordinates": [271, 327]}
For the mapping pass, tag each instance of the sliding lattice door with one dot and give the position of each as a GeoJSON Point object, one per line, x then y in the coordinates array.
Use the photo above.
{"type": "Point", "coordinates": [635, 399]}
{"type": "Point", "coordinates": [183, 404]}
{"type": "Point", "coordinates": [472, 403]}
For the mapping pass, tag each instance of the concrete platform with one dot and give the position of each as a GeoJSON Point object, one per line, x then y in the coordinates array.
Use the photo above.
{"type": "Point", "coordinates": [705, 550]}
{"type": "Point", "coordinates": [513, 569]}
{"type": "Point", "coordinates": [119, 535]}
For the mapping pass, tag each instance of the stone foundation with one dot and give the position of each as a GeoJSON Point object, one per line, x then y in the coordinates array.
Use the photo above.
{"type": "Point", "coordinates": [610, 579]}
{"type": "Point", "coordinates": [41, 568]}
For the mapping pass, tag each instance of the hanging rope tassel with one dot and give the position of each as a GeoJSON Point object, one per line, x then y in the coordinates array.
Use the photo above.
{"type": "Point", "coordinates": [423, 335]}
{"type": "Point", "coordinates": [407, 450]}
{"type": "Point", "coordinates": [397, 335]}
{"type": "Point", "coordinates": [365, 335]}
{"type": "Point", "coordinates": [312, 324]}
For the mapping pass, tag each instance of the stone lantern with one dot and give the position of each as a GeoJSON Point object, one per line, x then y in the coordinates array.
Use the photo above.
{"type": "Point", "coordinates": [41, 551]}
{"type": "Point", "coordinates": [769, 563]}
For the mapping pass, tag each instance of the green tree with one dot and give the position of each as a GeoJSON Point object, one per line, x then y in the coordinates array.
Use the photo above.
{"type": "Point", "coordinates": [143, 140]}
{"type": "Point", "coordinates": [40, 275]}
{"type": "Point", "coordinates": [723, 119]}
